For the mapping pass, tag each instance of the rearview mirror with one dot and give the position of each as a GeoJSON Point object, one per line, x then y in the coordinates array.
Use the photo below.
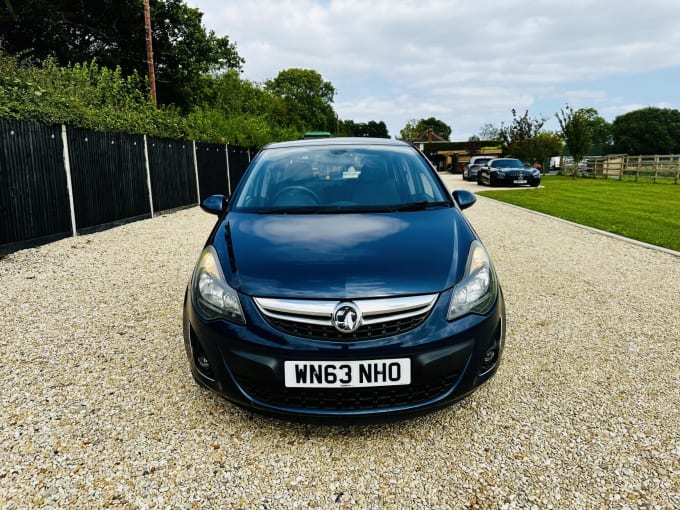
{"type": "Point", "coordinates": [464, 198]}
{"type": "Point", "coordinates": [215, 204]}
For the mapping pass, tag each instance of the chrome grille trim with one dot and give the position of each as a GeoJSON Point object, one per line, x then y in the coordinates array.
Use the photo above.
{"type": "Point", "coordinates": [296, 306]}
{"type": "Point", "coordinates": [298, 318]}
{"type": "Point", "coordinates": [392, 318]}
{"type": "Point", "coordinates": [319, 312]}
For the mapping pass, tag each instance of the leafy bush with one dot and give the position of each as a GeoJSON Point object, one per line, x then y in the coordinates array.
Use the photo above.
{"type": "Point", "coordinates": [83, 95]}
{"type": "Point", "coordinates": [227, 109]}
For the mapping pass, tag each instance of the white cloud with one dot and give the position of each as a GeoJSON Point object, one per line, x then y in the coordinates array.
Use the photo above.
{"type": "Point", "coordinates": [467, 63]}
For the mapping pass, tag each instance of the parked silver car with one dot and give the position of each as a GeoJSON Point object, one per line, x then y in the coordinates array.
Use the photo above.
{"type": "Point", "coordinates": [476, 162]}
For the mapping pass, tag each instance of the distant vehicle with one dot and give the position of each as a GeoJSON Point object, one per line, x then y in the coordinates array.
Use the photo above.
{"type": "Point", "coordinates": [566, 164]}
{"type": "Point", "coordinates": [476, 162]}
{"type": "Point", "coordinates": [555, 163]}
{"type": "Point", "coordinates": [508, 172]}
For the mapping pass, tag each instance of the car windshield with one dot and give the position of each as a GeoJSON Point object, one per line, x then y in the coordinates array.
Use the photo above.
{"type": "Point", "coordinates": [339, 178]}
{"type": "Point", "coordinates": [507, 163]}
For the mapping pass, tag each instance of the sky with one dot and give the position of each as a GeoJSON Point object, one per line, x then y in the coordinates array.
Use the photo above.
{"type": "Point", "coordinates": [466, 62]}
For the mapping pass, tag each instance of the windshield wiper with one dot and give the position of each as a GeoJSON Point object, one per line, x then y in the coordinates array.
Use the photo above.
{"type": "Point", "coordinates": [419, 206]}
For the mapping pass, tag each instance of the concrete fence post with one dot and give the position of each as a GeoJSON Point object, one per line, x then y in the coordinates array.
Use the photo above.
{"type": "Point", "coordinates": [148, 175]}
{"type": "Point", "coordinates": [198, 187]}
{"type": "Point", "coordinates": [69, 185]}
{"type": "Point", "coordinates": [226, 155]}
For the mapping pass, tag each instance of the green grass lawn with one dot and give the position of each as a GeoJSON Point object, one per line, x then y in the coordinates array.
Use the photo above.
{"type": "Point", "coordinates": [640, 210]}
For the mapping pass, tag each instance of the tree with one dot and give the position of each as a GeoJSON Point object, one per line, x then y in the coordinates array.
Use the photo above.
{"type": "Point", "coordinates": [305, 99]}
{"type": "Point", "coordinates": [111, 31]}
{"type": "Point", "coordinates": [409, 132]}
{"type": "Point", "coordinates": [577, 130]}
{"type": "Point", "coordinates": [518, 137]}
{"type": "Point", "coordinates": [474, 145]}
{"type": "Point", "coordinates": [647, 131]}
{"type": "Point", "coordinates": [184, 51]}
{"type": "Point", "coordinates": [489, 132]}
{"type": "Point", "coordinates": [371, 128]}
{"type": "Point", "coordinates": [439, 127]}
{"type": "Point", "coordinates": [601, 130]}
{"type": "Point", "coordinates": [377, 129]}
{"type": "Point", "coordinates": [232, 95]}
{"type": "Point", "coordinates": [546, 145]}
{"type": "Point", "coordinates": [416, 128]}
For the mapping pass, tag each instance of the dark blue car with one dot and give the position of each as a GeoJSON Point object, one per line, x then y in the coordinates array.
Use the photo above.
{"type": "Point", "coordinates": [342, 281]}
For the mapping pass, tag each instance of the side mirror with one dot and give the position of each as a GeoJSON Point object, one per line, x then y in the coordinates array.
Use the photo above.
{"type": "Point", "coordinates": [215, 204]}
{"type": "Point", "coordinates": [464, 198]}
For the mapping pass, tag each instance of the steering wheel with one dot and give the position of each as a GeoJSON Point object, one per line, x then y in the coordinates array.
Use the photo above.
{"type": "Point", "coordinates": [292, 190]}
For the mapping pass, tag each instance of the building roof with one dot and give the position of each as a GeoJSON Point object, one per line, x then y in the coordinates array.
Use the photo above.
{"type": "Point", "coordinates": [427, 136]}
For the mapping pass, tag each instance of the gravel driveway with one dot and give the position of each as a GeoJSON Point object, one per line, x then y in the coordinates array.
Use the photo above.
{"type": "Point", "coordinates": [99, 409]}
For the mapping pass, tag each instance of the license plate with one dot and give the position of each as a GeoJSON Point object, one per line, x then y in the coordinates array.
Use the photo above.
{"type": "Point", "coordinates": [520, 181]}
{"type": "Point", "coordinates": [347, 374]}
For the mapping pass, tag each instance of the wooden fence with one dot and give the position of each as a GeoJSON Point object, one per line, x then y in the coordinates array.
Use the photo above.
{"type": "Point", "coordinates": [620, 166]}
{"type": "Point", "coordinates": [57, 181]}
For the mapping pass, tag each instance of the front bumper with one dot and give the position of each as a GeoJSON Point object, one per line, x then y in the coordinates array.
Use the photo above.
{"type": "Point", "coordinates": [246, 363]}
{"type": "Point", "coordinates": [517, 180]}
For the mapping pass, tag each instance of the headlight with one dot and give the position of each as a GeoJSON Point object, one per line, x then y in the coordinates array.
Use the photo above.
{"type": "Point", "coordinates": [500, 174]}
{"type": "Point", "coordinates": [477, 291]}
{"type": "Point", "coordinates": [213, 297]}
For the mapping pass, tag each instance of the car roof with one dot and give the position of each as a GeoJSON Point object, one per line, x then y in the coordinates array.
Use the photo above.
{"type": "Point", "coordinates": [311, 142]}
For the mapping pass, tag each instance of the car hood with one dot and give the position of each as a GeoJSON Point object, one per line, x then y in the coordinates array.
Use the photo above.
{"type": "Point", "coordinates": [343, 256]}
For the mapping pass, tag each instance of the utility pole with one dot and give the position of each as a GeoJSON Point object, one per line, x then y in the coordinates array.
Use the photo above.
{"type": "Point", "coordinates": [149, 50]}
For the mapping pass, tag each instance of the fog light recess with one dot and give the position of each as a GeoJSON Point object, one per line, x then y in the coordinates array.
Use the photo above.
{"type": "Point", "coordinates": [490, 358]}
{"type": "Point", "coordinates": [493, 353]}
{"type": "Point", "coordinates": [201, 361]}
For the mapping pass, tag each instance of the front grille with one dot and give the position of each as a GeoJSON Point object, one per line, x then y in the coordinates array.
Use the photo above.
{"type": "Point", "coordinates": [366, 332]}
{"type": "Point", "coordinates": [314, 318]}
{"type": "Point", "coordinates": [349, 399]}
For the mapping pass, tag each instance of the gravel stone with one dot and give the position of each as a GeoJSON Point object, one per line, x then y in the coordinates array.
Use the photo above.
{"type": "Point", "coordinates": [99, 409]}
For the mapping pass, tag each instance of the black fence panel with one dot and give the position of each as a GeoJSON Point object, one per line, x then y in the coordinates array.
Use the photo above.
{"type": "Point", "coordinates": [108, 175]}
{"type": "Point", "coordinates": [109, 179]}
{"type": "Point", "coordinates": [34, 199]}
{"type": "Point", "coordinates": [212, 169]}
{"type": "Point", "coordinates": [239, 158]}
{"type": "Point", "coordinates": [173, 176]}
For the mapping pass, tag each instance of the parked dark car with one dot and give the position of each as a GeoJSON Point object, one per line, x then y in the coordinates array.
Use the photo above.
{"type": "Point", "coordinates": [508, 172]}
{"type": "Point", "coordinates": [342, 281]}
